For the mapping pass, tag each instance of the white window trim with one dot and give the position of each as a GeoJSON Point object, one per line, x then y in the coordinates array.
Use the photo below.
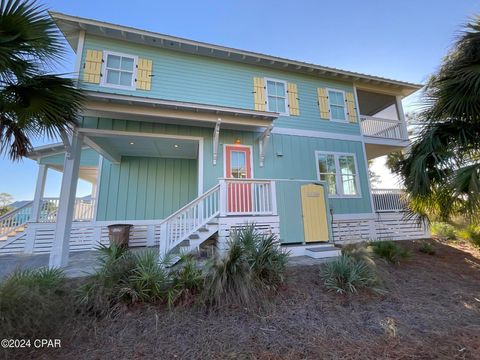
{"type": "Point", "coordinates": [103, 81]}
{"type": "Point", "coordinates": [287, 112]}
{"type": "Point", "coordinates": [338, 176]}
{"type": "Point", "coordinates": [344, 106]}
{"type": "Point", "coordinates": [225, 158]}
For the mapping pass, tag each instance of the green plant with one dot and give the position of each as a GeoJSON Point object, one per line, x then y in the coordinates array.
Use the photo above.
{"type": "Point", "coordinates": [253, 265]}
{"type": "Point", "coordinates": [347, 275]}
{"type": "Point", "coordinates": [390, 251]}
{"type": "Point", "coordinates": [186, 282]}
{"type": "Point", "coordinates": [443, 230]}
{"type": "Point", "coordinates": [472, 234]}
{"type": "Point", "coordinates": [360, 252]}
{"type": "Point", "coordinates": [427, 248]}
{"type": "Point", "coordinates": [34, 303]}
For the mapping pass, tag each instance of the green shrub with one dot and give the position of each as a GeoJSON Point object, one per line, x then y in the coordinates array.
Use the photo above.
{"type": "Point", "coordinates": [472, 234]}
{"type": "Point", "coordinates": [347, 275]}
{"type": "Point", "coordinates": [186, 282]}
{"type": "Point", "coordinates": [443, 230]}
{"type": "Point", "coordinates": [34, 304]}
{"type": "Point", "coordinates": [124, 277]}
{"type": "Point", "coordinates": [390, 251]}
{"type": "Point", "coordinates": [253, 265]}
{"type": "Point", "coordinates": [360, 252]}
{"type": "Point", "coordinates": [427, 248]}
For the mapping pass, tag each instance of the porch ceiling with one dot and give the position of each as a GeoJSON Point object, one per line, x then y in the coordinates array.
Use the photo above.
{"type": "Point", "coordinates": [115, 145]}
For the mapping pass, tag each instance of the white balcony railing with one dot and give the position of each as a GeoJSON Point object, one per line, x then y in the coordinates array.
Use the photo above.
{"type": "Point", "coordinates": [247, 197]}
{"type": "Point", "coordinates": [383, 128]}
{"type": "Point", "coordinates": [84, 209]}
{"type": "Point", "coordinates": [389, 200]}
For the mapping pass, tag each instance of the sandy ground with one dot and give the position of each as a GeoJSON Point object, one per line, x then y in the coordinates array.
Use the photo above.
{"type": "Point", "coordinates": [430, 310]}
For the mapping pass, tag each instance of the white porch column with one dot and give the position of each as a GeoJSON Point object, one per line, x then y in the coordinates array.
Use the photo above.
{"type": "Point", "coordinates": [36, 206]}
{"type": "Point", "coordinates": [39, 189]}
{"type": "Point", "coordinates": [61, 241]}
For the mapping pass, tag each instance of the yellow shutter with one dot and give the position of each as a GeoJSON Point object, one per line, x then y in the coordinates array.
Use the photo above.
{"type": "Point", "coordinates": [351, 108]}
{"type": "Point", "coordinates": [259, 94]}
{"type": "Point", "coordinates": [144, 74]}
{"type": "Point", "coordinates": [323, 103]}
{"type": "Point", "coordinates": [293, 99]}
{"type": "Point", "coordinates": [92, 66]}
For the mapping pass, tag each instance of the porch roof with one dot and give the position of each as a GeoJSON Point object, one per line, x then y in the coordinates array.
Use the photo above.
{"type": "Point", "coordinates": [144, 108]}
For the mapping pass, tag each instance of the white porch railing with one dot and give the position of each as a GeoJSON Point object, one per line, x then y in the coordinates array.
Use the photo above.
{"type": "Point", "coordinates": [383, 128]}
{"type": "Point", "coordinates": [247, 197]}
{"type": "Point", "coordinates": [84, 209]}
{"type": "Point", "coordinates": [388, 200]}
{"type": "Point", "coordinates": [185, 221]}
{"type": "Point", "coordinates": [14, 219]}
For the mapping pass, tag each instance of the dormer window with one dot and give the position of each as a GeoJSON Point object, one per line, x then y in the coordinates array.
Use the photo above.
{"type": "Point", "coordinates": [119, 70]}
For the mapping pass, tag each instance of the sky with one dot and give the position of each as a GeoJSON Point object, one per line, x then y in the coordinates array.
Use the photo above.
{"type": "Point", "coordinates": [403, 40]}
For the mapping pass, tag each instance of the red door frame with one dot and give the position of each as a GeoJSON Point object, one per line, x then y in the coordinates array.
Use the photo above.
{"type": "Point", "coordinates": [239, 195]}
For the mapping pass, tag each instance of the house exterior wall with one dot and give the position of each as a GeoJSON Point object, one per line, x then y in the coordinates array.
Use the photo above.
{"type": "Point", "coordinates": [287, 157]}
{"type": "Point", "coordinates": [205, 80]}
{"type": "Point", "coordinates": [145, 188]}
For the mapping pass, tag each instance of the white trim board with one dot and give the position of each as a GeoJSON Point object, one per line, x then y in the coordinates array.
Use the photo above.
{"type": "Point", "coordinates": [316, 134]}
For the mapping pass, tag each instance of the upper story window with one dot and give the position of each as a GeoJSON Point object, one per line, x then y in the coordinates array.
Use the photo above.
{"type": "Point", "coordinates": [336, 100]}
{"type": "Point", "coordinates": [119, 70]}
{"type": "Point", "coordinates": [339, 170]}
{"type": "Point", "coordinates": [277, 96]}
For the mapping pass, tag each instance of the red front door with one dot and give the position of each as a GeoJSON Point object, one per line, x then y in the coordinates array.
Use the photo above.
{"type": "Point", "coordinates": [238, 166]}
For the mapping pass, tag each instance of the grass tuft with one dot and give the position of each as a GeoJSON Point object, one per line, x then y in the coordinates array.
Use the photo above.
{"type": "Point", "coordinates": [347, 275]}
{"type": "Point", "coordinates": [427, 248]}
{"type": "Point", "coordinates": [390, 251]}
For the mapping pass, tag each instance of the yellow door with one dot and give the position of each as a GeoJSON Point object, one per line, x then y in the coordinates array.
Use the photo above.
{"type": "Point", "coordinates": [315, 221]}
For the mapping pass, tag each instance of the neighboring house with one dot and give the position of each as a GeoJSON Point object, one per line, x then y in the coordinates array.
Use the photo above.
{"type": "Point", "coordinates": [188, 140]}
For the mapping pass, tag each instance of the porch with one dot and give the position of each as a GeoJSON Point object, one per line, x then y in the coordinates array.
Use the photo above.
{"type": "Point", "coordinates": [382, 121]}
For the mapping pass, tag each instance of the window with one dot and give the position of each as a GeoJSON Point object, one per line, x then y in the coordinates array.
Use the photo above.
{"type": "Point", "coordinates": [119, 71]}
{"type": "Point", "coordinates": [339, 171]}
{"type": "Point", "coordinates": [277, 96]}
{"type": "Point", "coordinates": [238, 164]}
{"type": "Point", "coordinates": [336, 101]}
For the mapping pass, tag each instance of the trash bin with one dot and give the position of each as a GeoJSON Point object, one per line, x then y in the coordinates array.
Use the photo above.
{"type": "Point", "coordinates": [119, 234]}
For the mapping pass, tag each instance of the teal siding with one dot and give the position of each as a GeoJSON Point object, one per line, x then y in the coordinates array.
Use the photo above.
{"type": "Point", "coordinates": [202, 79]}
{"type": "Point", "coordinates": [289, 206]}
{"type": "Point", "coordinates": [287, 157]}
{"type": "Point", "coordinates": [89, 158]}
{"type": "Point", "coordinates": [145, 188]}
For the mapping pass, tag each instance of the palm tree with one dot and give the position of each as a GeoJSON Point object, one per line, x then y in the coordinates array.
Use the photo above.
{"type": "Point", "coordinates": [442, 170]}
{"type": "Point", "coordinates": [33, 102]}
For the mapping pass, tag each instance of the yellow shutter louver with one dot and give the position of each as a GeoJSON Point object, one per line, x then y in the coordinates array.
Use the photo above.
{"type": "Point", "coordinates": [293, 99]}
{"type": "Point", "coordinates": [144, 74]}
{"type": "Point", "coordinates": [259, 94]}
{"type": "Point", "coordinates": [323, 103]}
{"type": "Point", "coordinates": [351, 108]}
{"type": "Point", "coordinates": [93, 66]}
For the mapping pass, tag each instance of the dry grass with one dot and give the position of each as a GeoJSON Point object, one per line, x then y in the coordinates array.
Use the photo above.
{"type": "Point", "coordinates": [431, 311]}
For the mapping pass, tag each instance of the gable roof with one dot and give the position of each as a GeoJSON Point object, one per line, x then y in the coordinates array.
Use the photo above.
{"type": "Point", "coordinates": [72, 25]}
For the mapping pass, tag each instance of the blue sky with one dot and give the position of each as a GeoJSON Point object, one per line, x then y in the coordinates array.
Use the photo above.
{"type": "Point", "coordinates": [402, 40]}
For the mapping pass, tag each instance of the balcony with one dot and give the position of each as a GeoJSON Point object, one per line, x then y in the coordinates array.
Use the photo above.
{"type": "Point", "coordinates": [382, 123]}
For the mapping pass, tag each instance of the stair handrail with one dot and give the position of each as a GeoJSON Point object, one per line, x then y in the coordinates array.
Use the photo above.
{"type": "Point", "coordinates": [7, 220]}
{"type": "Point", "coordinates": [167, 244]}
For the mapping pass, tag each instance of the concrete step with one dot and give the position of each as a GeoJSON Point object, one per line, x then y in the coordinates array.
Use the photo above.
{"type": "Point", "coordinates": [322, 251]}
{"type": "Point", "coordinates": [194, 237]}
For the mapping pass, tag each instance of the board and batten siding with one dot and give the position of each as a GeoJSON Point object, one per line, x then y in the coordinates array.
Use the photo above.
{"type": "Point", "coordinates": [201, 79]}
{"type": "Point", "coordinates": [145, 188]}
{"type": "Point", "coordinates": [287, 157]}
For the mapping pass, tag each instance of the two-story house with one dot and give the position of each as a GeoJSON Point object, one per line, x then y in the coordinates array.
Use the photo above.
{"type": "Point", "coordinates": [187, 140]}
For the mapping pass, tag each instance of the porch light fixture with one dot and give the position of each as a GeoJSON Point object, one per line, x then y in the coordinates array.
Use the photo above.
{"type": "Point", "coordinates": [176, 146]}
{"type": "Point", "coordinates": [238, 142]}
{"type": "Point", "coordinates": [132, 143]}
